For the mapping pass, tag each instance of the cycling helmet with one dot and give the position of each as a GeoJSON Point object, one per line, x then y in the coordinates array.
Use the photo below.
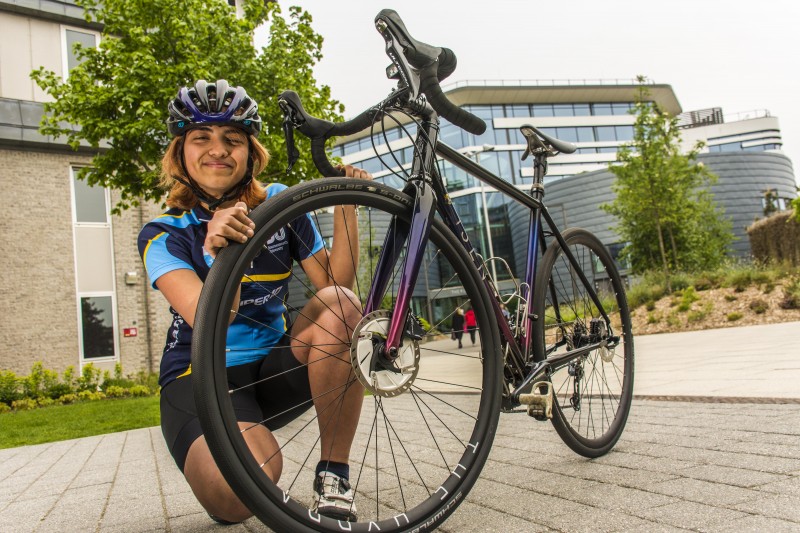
{"type": "Point", "coordinates": [212, 103]}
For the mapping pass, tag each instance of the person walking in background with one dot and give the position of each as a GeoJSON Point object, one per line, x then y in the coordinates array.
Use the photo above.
{"type": "Point", "coordinates": [472, 324]}
{"type": "Point", "coordinates": [457, 326]}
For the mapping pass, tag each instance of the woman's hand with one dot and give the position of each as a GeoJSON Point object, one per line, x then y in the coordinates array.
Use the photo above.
{"type": "Point", "coordinates": [354, 172]}
{"type": "Point", "coordinates": [231, 224]}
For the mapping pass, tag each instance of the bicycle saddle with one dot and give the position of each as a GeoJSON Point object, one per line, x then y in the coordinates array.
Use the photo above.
{"type": "Point", "coordinates": [538, 141]}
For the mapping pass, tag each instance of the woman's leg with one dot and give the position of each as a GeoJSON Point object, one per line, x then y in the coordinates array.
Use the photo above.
{"type": "Point", "coordinates": [207, 482]}
{"type": "Point", "coordinates": [321, 337]}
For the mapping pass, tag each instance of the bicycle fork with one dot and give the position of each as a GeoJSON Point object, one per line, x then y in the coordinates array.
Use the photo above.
{"type": "Point", "coordinates": [413, 235]}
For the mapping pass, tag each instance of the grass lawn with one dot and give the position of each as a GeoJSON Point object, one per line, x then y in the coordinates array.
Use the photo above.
{"type": "Point", "coordinates": [61, 422]}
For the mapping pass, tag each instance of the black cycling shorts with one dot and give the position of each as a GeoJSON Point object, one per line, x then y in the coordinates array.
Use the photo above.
{"type": "Point", "coordinates": [273, 403]}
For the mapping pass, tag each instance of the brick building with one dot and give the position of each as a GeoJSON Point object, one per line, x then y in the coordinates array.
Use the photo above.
{"type": "Point", "coordinates": [73, 289]}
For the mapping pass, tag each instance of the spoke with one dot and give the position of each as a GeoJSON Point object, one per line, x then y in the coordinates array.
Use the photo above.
{"type": "Point", "coordinates": [444, 402]}
{"type": "Point", "coordinates": [451, 384]}
{"type": "Point", "coordinates": [438, 448]}
{"type": "Point", "coordinates": [391, 451]}
{"type": "Point", "coordinates": [417, 397]}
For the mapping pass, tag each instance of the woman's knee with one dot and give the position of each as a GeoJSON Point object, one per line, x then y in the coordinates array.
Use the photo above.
{"type": "Point", "coordinates": [341, 302]}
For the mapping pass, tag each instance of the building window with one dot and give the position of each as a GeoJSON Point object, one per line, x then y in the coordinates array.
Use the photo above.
{"type": "Point", "coordinates": [97, 327]}
{"type": "Point", "coordinates": [94, 271]}
{"type": "Point", "coordinates": [72, 37]}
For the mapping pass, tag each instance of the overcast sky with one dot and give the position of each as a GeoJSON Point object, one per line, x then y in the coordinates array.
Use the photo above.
{"type": "Point", "coordinates": [733, 54]}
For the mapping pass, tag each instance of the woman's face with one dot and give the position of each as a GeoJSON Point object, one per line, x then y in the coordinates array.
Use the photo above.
{"type": "Point", "coordinates": [216, 157]}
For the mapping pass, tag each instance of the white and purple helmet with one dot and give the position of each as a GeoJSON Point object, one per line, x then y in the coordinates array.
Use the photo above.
{"type": "Point", "coordinates": [213, 104]}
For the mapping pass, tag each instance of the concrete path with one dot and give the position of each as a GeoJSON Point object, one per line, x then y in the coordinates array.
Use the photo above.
{"type": "Point", "coordinates": [680, 465]}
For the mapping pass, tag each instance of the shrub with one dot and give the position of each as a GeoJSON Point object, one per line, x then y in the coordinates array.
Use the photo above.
{"type": "Point", "coordinates": [88, 395]}
{"type": "Point", "coordinates": [24, 404]}
{"type": "Point", "coordinates": [114, 391]}
{"type": "Point", "coordinates": [730, 298]}
{"type": "Point", "coordinates": [791, 294]}
{"type": "Point", "coordinates": [688, 297]}
{"type": "Point", "coordinates": [699, 314]}
{"type": "Point", "coordinates": [67, 398]}
{"type": "Point", "coordinates": [759, 306]}
{"type": "Point", "coordinates": [32, 384]}
{"type": "Point", "coordinates": [4, 408]}
{"type": "Point", "coordinates": [650, 305]}
{"type": "Point", "coordinates": [44, 401]}
{"type": "Point", "coordinates": [653, 318]}
{"type": "Point", "coordinates": [680, 281]}
{"type": "Point", "coordinates": [703, 282]}
{"type": "Point", "coordinates": [89, 379]}
{"type": "Point", "coordinates": [674, 320]}
{"type": "Point", "coordinates": [139, 390]}
{"type": "Point", "coordinates": [9, 387]}
{"type": "Point", "coordinates": [734, 316]}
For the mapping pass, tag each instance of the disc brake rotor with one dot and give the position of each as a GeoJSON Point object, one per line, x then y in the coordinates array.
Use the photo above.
{"type": "Point", "coordinates": [379, 377]}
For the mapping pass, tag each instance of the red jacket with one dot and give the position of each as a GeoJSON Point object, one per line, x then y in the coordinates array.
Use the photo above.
{"type": "Point", "coordinates": [469, 317]}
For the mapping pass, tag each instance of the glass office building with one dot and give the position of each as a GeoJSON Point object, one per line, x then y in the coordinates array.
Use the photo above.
{"type": "Point", "coordinates": [594, 115]}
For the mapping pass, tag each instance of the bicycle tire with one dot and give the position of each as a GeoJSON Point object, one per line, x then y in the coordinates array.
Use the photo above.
{"type": "Point", "coordinates": [591, 416]}
{"type": "Point", "coordinates": [457, 462]}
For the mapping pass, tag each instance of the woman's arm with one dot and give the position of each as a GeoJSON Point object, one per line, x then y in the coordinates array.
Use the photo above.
{"type": "Point", "coordinates": [182, 287]}
{"type": "Point", "coordinates": [340, 265]}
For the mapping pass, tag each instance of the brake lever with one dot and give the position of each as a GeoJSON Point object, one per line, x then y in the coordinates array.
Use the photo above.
{"type": "Point", "coordinates": [288, 134]}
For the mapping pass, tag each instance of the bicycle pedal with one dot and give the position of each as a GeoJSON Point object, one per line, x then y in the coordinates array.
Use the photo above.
{"type": "Point", "coordinates": [539, 401]}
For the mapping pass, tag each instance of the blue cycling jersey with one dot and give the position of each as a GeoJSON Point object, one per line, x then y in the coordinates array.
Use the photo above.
{"type": "Point", "coordinates": [175, 240]}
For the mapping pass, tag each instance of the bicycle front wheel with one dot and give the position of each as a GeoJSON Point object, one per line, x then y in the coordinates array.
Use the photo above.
{"type": "Point", "coordinates": [593, 393]}
{"type": "Point", "coordinates": [415, 435]}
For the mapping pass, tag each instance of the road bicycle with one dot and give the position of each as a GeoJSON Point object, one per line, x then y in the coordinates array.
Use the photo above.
{"type": "Point", "coordinates": [430, 410]}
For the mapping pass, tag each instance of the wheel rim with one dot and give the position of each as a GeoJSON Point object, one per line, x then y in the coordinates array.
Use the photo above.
{"type": "Point", "coordinates": [592, 394]}
{"type": "Point", "coordinates": [428, 441]}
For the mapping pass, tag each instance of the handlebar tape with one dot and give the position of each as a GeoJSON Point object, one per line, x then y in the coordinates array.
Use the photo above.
{"type": "Point", "coordinates": [320, 158]}
{"type": "Point", "coordinates": [429, 84]}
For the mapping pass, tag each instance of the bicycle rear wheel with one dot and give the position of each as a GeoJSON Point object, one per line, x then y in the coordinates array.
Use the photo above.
{"type": "Point", "coordinates": [422, 435]}
{"type": "Point", "coordinates": [592, 395]}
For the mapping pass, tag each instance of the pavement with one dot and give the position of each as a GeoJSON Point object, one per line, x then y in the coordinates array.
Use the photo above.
{"type": "Point", "coordinates": [712, 444]}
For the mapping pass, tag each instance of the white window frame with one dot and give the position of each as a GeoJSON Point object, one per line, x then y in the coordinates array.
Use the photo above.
{"type": "Point", "coordinates": [89, 294]}
{"type": "Point", "coordinates": [65, 50]}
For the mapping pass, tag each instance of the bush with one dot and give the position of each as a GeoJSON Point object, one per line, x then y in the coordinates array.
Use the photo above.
{"type": "Point", "coordinates": [9, 387]}
{"type": "Point", "coordinates": [89, 379]}
{"type": "Point", "coordinates": [759, 306]}
{"type": "Point", "coordinates": [700, 314]}
{"type": "Point", "coordinates": [734, 316]}
{"type": "Point", "coordinates": [650, 305]}
{"type": "Point", "coordinates": [653, 318]}
{"type": "Point", "coordinates": [44, 401]}
{"type": "Point", "coordinates": [114, 391]}
{"type": "Point", "coordinates": [88, 395]}
{"type": "Point", "coordinates": [791, 294]}
{"type": "Point", "coordinates": [24, 404]}
{"type": "Point", "coordinates": [139, 390]}
{"type": "Point", "coordinates": [688, 297]}
{"type": "Point", "coordinates": [730, 298]}
{"type": "Point", "coordinates": [67, 398]}
{"type": "Point", "coordinates": [4, 408]}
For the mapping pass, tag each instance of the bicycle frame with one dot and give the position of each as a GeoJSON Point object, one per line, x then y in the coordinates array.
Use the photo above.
{"type": "Point", "coordinates": [430, 196]}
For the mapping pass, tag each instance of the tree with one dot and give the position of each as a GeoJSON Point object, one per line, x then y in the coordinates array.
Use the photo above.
{"type": "Point", "coordinates": [116, 99]}
{"type": "Point", "coordinates": [663, 207]}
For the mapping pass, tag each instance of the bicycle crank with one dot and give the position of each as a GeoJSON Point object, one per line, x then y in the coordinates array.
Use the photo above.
{"type": "Point", "coordinates": [375, 372]}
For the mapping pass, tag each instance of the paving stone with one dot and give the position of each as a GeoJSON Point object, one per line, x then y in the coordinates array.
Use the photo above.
{"type": "Point", "coordinates": [786, 507]}
{"type": "Point", "coordinates": [25, 515]}
{"type": "Point", "coordinates": [691, 515]}
{"type": "Point", "coordinates": [592, 521]}
{"type": "Point", "coordinates": [739, 477]}
{"type": "Point", "coordinates": [705, 492]}
{"type": "Point", "coordinates": [789, 485]}
{"type": "Point", "coordinates": [470, 517]}
{"type": "Point", "coordinates": [759, 524]}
